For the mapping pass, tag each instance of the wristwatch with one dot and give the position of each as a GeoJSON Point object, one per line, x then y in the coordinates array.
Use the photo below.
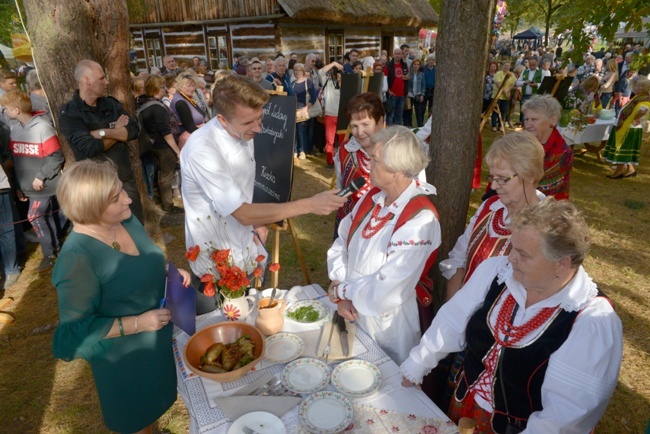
{"type": "Point", "coordinates": [102, 133]}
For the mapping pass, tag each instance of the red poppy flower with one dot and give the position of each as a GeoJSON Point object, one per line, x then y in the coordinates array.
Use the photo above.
{"type": "Point", "coordinates": [260, 258]}
{"type": "Point", "coordinates": [208, 289]}
{"type": "Point", "coordinates": [274, 267]}
{"type": "Point", "coordinates": [221, 256]}
{"type": "Point", "coordinates": [192, 253]}
{"type": "Point", "coordinates": [258, 272]}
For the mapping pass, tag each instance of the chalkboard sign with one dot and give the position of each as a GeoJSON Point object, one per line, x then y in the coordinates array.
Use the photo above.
{"type": "Point", "coordinates": [376, 84]}
{"type": "Point", "coordinates": [274, 151]}
{"type": "Point", "coordinates": [548, 83]}
{"type": "Point", "coordinates": [351, 85]}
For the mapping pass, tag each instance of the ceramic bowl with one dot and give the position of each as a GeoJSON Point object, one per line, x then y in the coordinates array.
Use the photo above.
{"type": "Point", "coordinates": [607, 114]}
{"type": "Point", "coordinates": [225, 332]}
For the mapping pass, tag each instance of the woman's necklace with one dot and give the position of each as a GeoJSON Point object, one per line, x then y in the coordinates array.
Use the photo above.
{"type": "Point", "coordinates": [114, 243]}
{"type": "Point", "coordinates": [369, 229]}
{"type": "Point", "coordinates": [499, 225]}
{"type": "Point", "coordinates": [514, 333]}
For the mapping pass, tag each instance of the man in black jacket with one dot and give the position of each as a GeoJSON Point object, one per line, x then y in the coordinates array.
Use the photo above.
{"type": "Point", "coordinates": [97, 126]}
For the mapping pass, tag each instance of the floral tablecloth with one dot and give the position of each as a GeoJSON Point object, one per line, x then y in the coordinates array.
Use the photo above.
{"type": "Point", "coordinates": [394, 405]}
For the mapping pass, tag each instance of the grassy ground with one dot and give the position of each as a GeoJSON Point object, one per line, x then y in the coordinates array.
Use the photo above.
{"type": "Point", "coordinates": [40, 394]}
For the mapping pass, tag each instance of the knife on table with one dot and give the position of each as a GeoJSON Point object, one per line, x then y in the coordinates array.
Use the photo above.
{"type": "Point", "coordinates": [343, 335]}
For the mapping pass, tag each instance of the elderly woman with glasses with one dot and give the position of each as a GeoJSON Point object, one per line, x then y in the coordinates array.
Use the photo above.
{"type": "Point", "coordinates": [186, 106]}
{"type": "Point", "coordinates": [306, 96]}
{"type": "Point", "coordinates": [543, 345]}
{"type": "Point", "coordinates": [516, 164]}
{"type": "Point", "coordinates": [385, 244]}
{"type": "Point", "coordinates": [542, 114]}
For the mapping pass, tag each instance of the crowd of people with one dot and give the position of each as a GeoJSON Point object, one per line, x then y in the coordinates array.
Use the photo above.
{"type": "Point", "coordinates": [529, 341]}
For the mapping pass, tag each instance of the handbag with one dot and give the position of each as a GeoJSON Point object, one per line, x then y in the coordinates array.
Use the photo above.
{"type": "Point", "coordinates": [408, 103]}
{"type": "Point", "coordinates": [314, 111]}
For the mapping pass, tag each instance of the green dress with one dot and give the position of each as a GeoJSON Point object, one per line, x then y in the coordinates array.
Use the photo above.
{"type": "Point", "coordinates": [134, 374]}
{"type": "Point", "coordinates": [631, 137]}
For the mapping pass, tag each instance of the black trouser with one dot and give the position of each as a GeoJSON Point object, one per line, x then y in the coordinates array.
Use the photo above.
{"type": "Point", "coordinates": [428, 99]}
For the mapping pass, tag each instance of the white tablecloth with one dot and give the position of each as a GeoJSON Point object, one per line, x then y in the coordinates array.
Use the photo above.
{"type": "Point", "coordinates": [595, 132]}
{"type": "Point", "coordinates": [198, 393]}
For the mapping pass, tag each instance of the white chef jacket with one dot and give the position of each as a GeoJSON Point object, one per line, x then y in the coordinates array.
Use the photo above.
{"type": "Point", "coordinates": [218, 174]}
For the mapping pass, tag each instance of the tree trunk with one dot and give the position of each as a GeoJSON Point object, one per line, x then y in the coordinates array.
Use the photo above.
{"type": "Point", "coordinates": [462, 49]}
{"type": "Point", "coordinates": [63, 33]}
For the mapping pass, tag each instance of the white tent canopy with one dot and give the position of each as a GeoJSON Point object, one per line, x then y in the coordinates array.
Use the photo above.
{"type": "Point", "coordinates": [641, 36]}
{"type": "Point", "coordinates": [7, 52]}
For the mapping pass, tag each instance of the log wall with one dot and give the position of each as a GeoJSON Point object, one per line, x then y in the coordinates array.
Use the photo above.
{"type": "Point", "coordinates": [258, 39]}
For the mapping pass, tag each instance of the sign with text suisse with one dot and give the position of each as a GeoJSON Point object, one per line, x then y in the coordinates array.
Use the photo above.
{"type": "Point", "coordinates": [274, 151]}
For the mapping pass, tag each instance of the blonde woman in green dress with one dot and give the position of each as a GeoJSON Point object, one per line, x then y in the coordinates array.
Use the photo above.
{"type": "Point", "coordinates": [110, 278]}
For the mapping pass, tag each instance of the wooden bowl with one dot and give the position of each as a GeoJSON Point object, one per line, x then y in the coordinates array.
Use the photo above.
{"type": "Point", "coordinates": [225, 332]}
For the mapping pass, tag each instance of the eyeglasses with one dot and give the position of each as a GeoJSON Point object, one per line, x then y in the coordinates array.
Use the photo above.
{"type": "Point", "coordinates": [500, 181]}
{"type": "Point", "coordinates": [256, 69]}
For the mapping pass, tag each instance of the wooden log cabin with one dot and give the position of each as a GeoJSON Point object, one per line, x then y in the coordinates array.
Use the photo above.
{"type": "Point", "coordinates": [215, 30]}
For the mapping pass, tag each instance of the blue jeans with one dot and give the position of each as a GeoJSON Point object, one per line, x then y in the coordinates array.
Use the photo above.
{"type": "Point", "coordinates": [149, 171]}
{"type": "Point", "coordinates": [604, 98]}
{"type": "Point", "coordinates": [524, 98]}
{"type": "Point", "coordinates": [394, 117]}
{"type": "Point", "coordinates": [7, 236]}
{"type": "Point", "coordinates": [303, 144]}
{"type": "Point", "coordinates": [503, 108]}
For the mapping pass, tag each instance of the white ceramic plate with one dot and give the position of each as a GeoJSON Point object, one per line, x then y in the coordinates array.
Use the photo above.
{"type": "Point", "coordinates": [317, 305]}
{"type": "Point", "coordinates": [306, 375]}
{"type": "Point", "coordinates": [283, 347]}
{"type": "Point", "coordinates": [326, 413]}
{"type": "Point", "coordinates": [260, 422]}
{"type": "Point", "coordinates": [356, 378]}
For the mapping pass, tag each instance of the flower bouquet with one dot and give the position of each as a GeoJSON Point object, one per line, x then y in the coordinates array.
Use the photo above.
{"type": "Point", "coordinates": [223, 274]}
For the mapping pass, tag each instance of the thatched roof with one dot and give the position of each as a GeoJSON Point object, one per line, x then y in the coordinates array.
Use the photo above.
{"type": "Point", "coordinates": [406, 13]}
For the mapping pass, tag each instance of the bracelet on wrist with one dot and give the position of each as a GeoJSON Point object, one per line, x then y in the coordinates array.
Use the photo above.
{"type": "Point", "coordinates": [119, 323]}
{"type": "Point", "coordinates": [333, 294]}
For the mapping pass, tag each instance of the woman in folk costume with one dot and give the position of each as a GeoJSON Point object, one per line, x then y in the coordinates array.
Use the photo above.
{"type": "Point", "coordinates": [624, 144]}
{"type": "Point", "coordinates": [542, 113]}
{"type": "Point", "coordinates": [365, 113]}
{"type": "Point", "coordinates": [516, 164]}
{"type": "Point", "coordinates": [543, 345]}
{"type": "Point", "coordinates": [386, 244]}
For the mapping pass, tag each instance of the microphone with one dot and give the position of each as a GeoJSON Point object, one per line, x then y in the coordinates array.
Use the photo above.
{"type": "Point", "coordinates": [355, 185]}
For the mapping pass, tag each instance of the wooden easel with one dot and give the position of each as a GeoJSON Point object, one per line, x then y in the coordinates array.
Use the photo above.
{"type": "Point", "coordinates": [6, 317]}
{"type": "Point", "coordinates": [287, 224]}
{"type": "Point", "coordinates": [275, 252]}
{"type": "Point", "coordinates": [495, 106]}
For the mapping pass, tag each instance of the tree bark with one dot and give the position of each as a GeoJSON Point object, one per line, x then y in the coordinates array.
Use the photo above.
{"type": "Point", "coordinates": [462, 49]}
{"type": "Point", "coordinates": [63, 33]}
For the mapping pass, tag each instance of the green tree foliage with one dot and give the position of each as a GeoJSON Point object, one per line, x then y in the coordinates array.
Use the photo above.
{"type": "Point", "coordinates": [436, 5]}
{"type": "Point", "coordinates": [549, 12]}
{"type": "Point", "coordinates": [603, 15]}
{"type": "Point", "coordinates": [9, 21]}
{"type": "Point", "coordinates": [520, 11]}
